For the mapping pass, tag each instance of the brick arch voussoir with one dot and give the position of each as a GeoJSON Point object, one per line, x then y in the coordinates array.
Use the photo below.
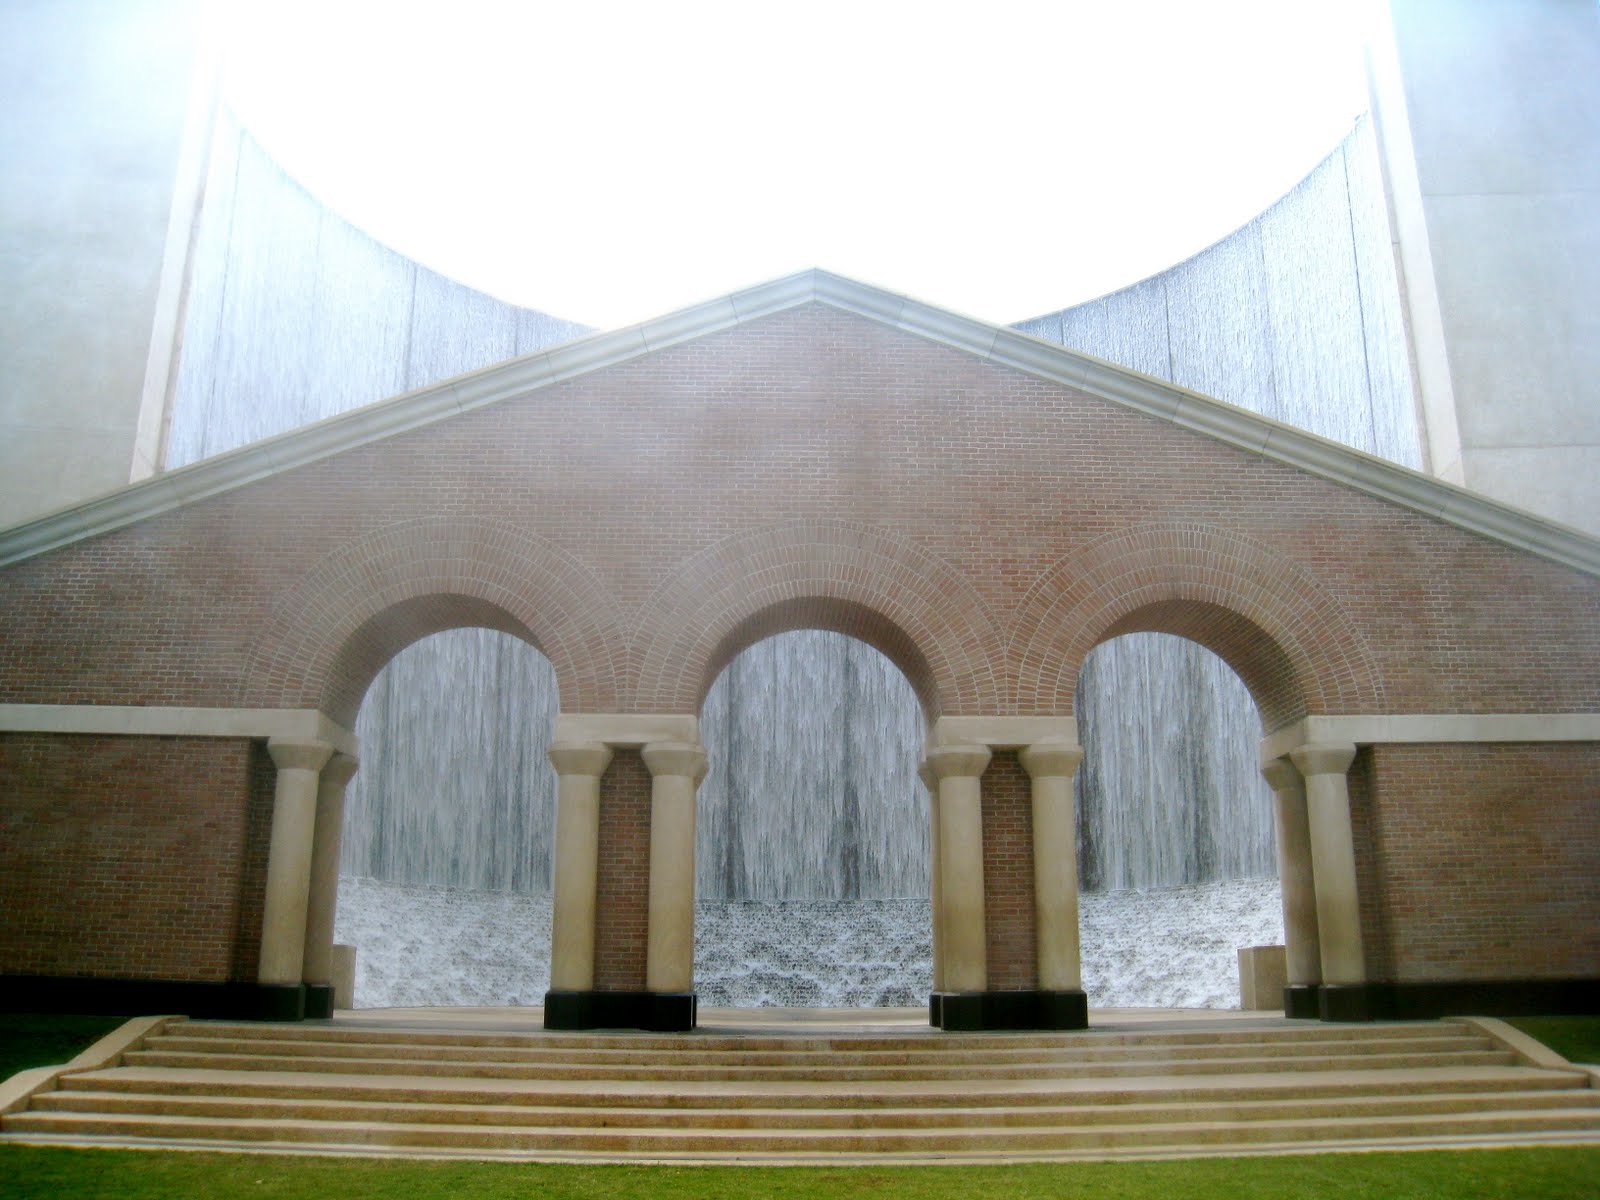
{"type": "Point", "coordinates": [722, 592]}
{"type": "Point", "coordinates": [543, 593]}
{"type": "Point", "coordinates": [1082, 599]}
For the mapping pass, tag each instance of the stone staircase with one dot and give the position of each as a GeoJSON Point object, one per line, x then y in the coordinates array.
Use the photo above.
{"type": "Point", "coordinates": [1250, 1087]}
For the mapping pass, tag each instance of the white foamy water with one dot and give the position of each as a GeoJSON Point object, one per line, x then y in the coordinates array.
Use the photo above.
{"type": "Point", "coordinates": [1164, 948]}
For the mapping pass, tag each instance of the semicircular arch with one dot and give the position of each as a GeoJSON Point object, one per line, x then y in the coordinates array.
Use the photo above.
{"type": "Point", "coordinates": [916, 609]}
{"type": "Point", "coordinates": [363, 602]}
{"type": "Point", "coordinates": [1268, 617]}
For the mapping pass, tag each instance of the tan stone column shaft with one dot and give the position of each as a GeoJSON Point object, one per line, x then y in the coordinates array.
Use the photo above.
{"type": "Point", "coordinates": [959, 769]}
{"type": "Point", "coordinates": [1051, 764]}
{"type": "Point", "coordinates": [323, 896]}
{"type": "Point", "coordinates": [1333, 859]}
{"type": "Point", "coordinates": [579, 766]}
{"type": "Point", "coordinates": [676, 769]}
{"type": "Point", "coordinates": [931, 782]}
{"type": "Point", "coordinates": [1302, 949]}
{"type": "Point", "coordinates": [294, 818]}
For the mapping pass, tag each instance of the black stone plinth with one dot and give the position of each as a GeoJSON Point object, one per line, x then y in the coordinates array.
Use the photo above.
{"type": "Point", "coordinates": [659, 1012]}
{"type": "Point", "coordinates": [319, 1001]}
{"type": "Point", "coordinates": [1300, 1001]}
{"type": "Point", "coordinates": [976, 1011]}
{"type": "Point", "coordinates": [136, 997]}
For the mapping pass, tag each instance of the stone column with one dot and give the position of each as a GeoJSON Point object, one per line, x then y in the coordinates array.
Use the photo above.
{"type": "Point", "coordinates": [1051, 764]}
{"type": "Point", "coordinates": [959, 769]}
{"type": "Point", "coordinates": [579, 766]}
{"type": "Point", "coordinates": [323, 894]}
{"type": "Point", "coordinates": [936, 908]}
{"type": "Point", "coordinates": [283, 920]}
{"type": "Point", "coordinates": [1333, 868]}
{"type": "Point", "coordinates": [1302, 950]}
{"type": "Point", "coordinates": [676, 769]}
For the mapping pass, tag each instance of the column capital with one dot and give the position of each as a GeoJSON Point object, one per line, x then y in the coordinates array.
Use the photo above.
{"type": "Point", "coordinates": [1281, 774]}
{"type": "Point", "coordinates": [676, 758]}
{"type": "Point", "coordinates": [925, 772]}
{"type": "Point", "coordinates": [297, 754]}
{"type": "Point", "coordinates": [580, 758]}
{"type": "Point", "coordinates": [1050, 757]}
{"type": "Point", "coordinates": [339, 769]}
{"type": "Point", "coordinates": [1323, 758]}
{"type": "Point", "coordinates": [958, 761]}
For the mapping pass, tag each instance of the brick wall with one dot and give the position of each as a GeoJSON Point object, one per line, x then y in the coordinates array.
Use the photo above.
{"type": "Point", "coordinates": [1008, 874]}
{"type": "Point", "coordinates": [1480, 861]}
{"type": "Point", "coordinates": [985, 527]}
{"type": "Point", "coordinates": [138, 858]}
{"type": "Point", "coordinates": [622, 891]}
{"type": "Point", "coordinates": [640, 524]}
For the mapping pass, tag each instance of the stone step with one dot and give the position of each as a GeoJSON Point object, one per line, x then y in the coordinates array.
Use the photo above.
{"type": "Point", "coordinates": [826, 1072]}
{"type": "Point", "coordinates": [909, 1142]}
{"type": "Point", "coordinates": [702, 1043]}
{"type": "Point", "coordinates": [844, 1116]}
{"type": "Point", "coordinates": [920, 1093]}
{"type": "Point", "coordinates": [923, 1053]}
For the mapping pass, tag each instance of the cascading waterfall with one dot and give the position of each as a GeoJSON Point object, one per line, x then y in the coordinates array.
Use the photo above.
{"type": "Point", "coordinates": [812, 793]}
{"type": "Point", "coordinates": [294, 316]}
{"type": "Point", "coordinates": [1168, 792]}
{"type": "Point", "coordinates": [454, 788]}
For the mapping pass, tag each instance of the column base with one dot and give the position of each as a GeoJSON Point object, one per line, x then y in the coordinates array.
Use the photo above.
{"type": "Point", "coordinates": [319, 1001]}
{"type": "Point", "coordinates": [977, 1011]}
{"type": "Point", "coordinates": [1348, 1002]}
{"type": "Point", "coordinates": [658, 1012]}
{"type": "Point", "coordinates": [1300, 1001]}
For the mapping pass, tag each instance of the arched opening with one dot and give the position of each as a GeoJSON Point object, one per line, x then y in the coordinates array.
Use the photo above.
{"type": "Point", "coordinates": [812, 869]}
{"type": "Point", "coordinates": [1177, 857]}
{"type": "Point", "coordinates": [445, 859]}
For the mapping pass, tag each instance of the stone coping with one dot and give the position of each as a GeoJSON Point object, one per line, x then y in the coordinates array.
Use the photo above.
{"type": "Point", "coordinates": [1414, 728]}
{"type": "Point", "coordinates": [298, 724]}
{"type": "Point", "coordinates": [1004, 347]}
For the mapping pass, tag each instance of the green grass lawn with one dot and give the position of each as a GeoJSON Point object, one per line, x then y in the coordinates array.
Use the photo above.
{"type": "Point", "coordinates": [29, 1172]}
{"type": "Point", "coordinates": [1576, 1039]}
{"type": "Point", "coordinates": [45, 1039]}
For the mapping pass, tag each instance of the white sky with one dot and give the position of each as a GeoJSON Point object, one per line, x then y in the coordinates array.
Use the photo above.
{"type": "Point", "coordinates": [607, 162]}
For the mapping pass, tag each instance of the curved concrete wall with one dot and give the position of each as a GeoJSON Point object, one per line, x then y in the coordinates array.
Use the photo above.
{"type": "Point", "coordinates": [95, 95]}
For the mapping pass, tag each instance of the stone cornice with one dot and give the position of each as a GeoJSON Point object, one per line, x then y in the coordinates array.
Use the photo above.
{"type": "Point", "coordinates": [130, 720]}
{"type": "Point", "coordinates": [1421, 728]}
{"type": "Point", "coordinates": [1004, 347]}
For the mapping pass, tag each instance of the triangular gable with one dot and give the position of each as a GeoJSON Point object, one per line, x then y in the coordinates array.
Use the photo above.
{"type": "Point", "coordinates": [1190, 410]}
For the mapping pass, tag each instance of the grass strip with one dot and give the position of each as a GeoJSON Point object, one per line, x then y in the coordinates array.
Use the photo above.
{"type": "Point", "coordinates": [47, 1039]}
{"type": "Point", "coordinates": [1576, 1039]}
{"type": "Point", "coordinates": [1556, 1173]}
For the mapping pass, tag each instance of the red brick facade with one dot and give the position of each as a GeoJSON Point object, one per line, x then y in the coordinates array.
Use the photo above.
{"type": "Point", "coordinates": [643, 522]}
{"type": "Point", "coordinates": [1008, 874]}
{"type": "Point", "coordinates": [139, 858]}
{"type": "Point", "coordinates": [622, 890]}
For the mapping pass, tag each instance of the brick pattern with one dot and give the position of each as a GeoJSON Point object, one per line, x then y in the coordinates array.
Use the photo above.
{"type": "Point", "coordinates": [622, 889]}
{"type": "Point", "coordinates": [1008, 914]}
{"type": "Point", "coordinates": [1479, 861]}
{"type": "Point", "coordinates": [985, 528]}
{"type": "Point", "coordinates": [129, 857]}
{"type": "Point", "coordinates": [642, 523]}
